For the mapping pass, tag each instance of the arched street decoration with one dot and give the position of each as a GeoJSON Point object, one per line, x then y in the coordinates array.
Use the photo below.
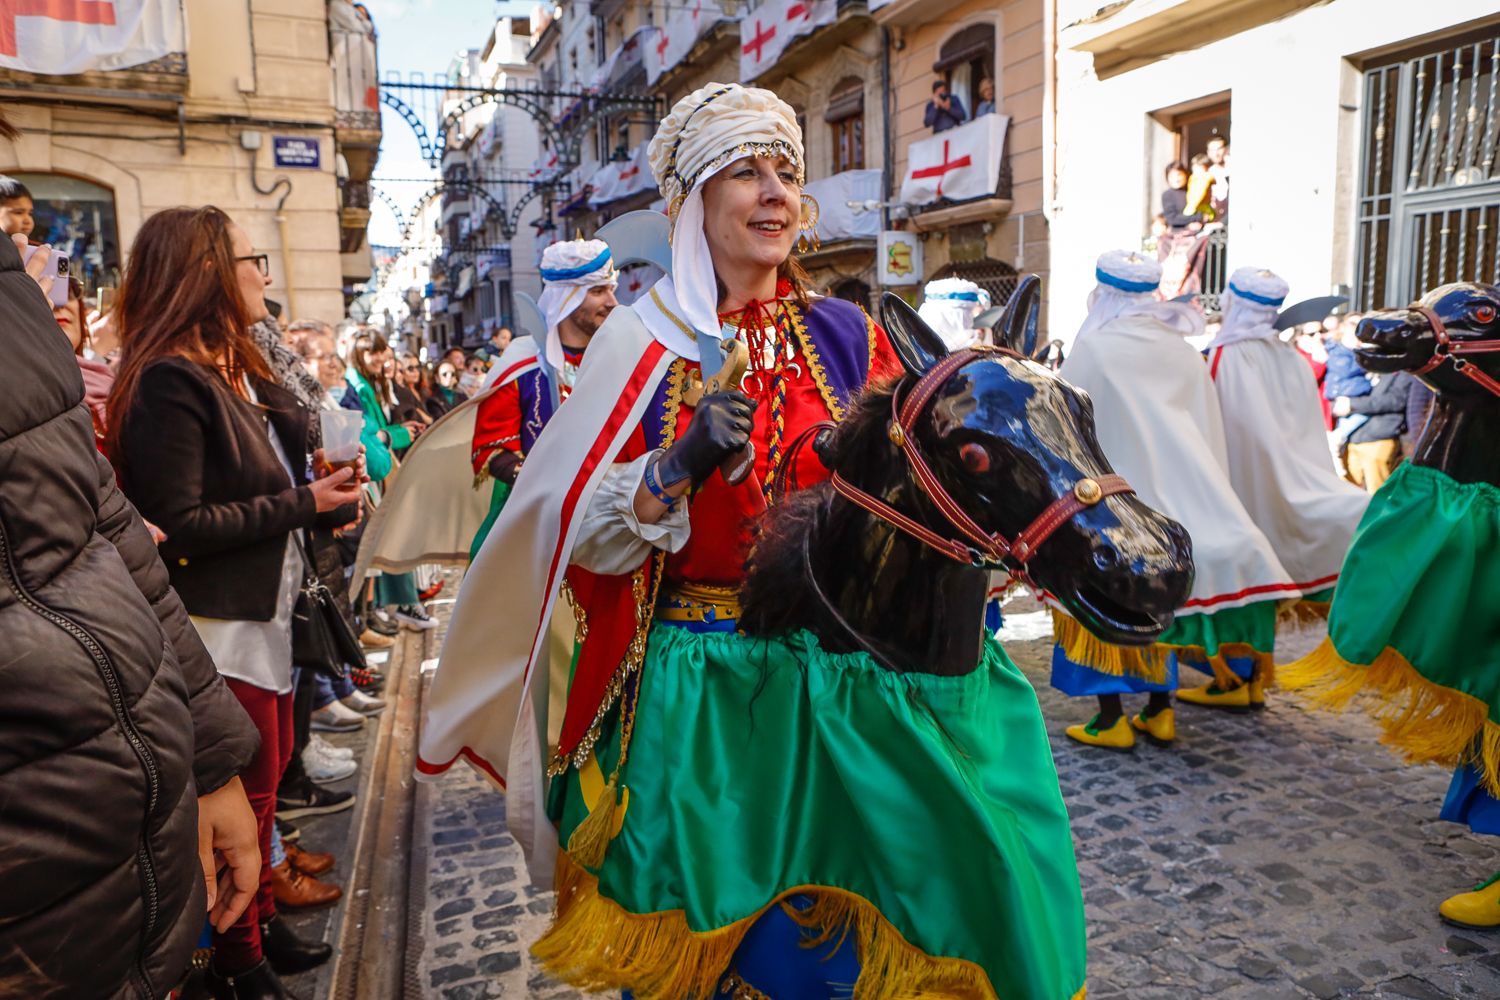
{"type": "Point", "coordinates": [508, 215]}
{"type": "Point", "coordinates": [390, 203]}
{"type": "Point", "coordinates": [443, 105]}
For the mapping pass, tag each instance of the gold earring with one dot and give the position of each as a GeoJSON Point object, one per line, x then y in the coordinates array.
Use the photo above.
{"type": "Point", "coordinates": [807, 226]}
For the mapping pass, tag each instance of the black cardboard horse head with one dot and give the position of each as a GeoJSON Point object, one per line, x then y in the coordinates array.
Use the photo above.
{"type": "Point", "coordinates": [1006, 438]}
{"type": "Point", "coordinates": [1462, 436]}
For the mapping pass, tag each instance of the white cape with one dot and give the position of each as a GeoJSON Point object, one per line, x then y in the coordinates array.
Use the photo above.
{"type": "Point", "coordinates": [487, 700]}
{"type": "Point", "coordinates": [431, 509]}
{"type": "Point", "coordinates": [1278, 458]}
{"type": "Point", "coordinates": [1158, 420]}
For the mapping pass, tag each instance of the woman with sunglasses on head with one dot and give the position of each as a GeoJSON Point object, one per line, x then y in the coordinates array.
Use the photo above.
{"type": "Point", "coordinates": [211, 449]}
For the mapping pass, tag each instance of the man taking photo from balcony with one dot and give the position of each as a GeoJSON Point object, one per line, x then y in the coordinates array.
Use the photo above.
{"type": "Point", "coordinates": [945, 110]}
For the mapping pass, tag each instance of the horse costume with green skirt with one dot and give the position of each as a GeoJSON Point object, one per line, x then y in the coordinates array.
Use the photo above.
{"type": "Point", "coordinates": [1160, 425]}
{"type": "Point", "coordinates": [1414, 630]}
{"type": "Point", "coordinates": [721, 797]}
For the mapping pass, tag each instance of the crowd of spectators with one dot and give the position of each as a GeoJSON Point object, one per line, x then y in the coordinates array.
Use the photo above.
{"type": "Point", "coordinates": [167, 506]}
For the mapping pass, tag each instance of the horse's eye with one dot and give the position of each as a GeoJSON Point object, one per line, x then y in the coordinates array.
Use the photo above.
{"type": "Point", "coordinates": [1484, 314]}
{"type": "Point", "coordinates": [975, 458]}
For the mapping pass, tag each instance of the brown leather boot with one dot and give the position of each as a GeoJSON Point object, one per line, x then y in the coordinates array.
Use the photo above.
{"type": "Point", "coordinates": [295, 891]}
{"type": "Point", "coordinates": [308, 862]}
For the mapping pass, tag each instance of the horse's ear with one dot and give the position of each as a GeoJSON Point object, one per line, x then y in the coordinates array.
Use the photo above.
{"type": "Point", "coordinates": [1018, 324]}
{"type": "Point", "coordinates": [916, 345]}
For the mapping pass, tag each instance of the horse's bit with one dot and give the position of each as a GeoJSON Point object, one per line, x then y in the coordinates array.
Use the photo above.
{"type": "Point", "coordinates": [1450, 350]}
{"type": "Point", "coordinates": [977, 547]}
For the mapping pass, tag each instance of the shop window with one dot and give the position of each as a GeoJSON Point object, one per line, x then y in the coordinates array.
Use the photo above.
{"type": "Point", "coordinates": [78, 218]}
{"type": "Point", "coordinates": [846, 123]}
{"type": "Point", "coordinates": [966, 58]}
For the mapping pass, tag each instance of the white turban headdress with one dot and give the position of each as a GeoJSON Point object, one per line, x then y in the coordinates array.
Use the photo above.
{"type": "Point", "coordinates": [949, 306]}
{"type": "Point", "coordinates": [1127, 287]}
{"type": "Point", "coordinates": [1249, 305]}
{"type": "Point", "coordinates": [569, 269]}
{"type": "Point", "coordinates": [707, 130]}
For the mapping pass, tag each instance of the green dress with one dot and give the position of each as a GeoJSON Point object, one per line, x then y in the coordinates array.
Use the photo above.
{"type": "Point", "coordinates": [921, 812]}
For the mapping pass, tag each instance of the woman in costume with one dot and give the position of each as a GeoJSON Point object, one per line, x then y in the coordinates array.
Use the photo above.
{"type": "Point", "coordinates": [1159, 423]}
{"type": "Point", "coordinates": [683, 873]}
{"type": "Point", "coordinates": [1273, 428]}
{"type": "Point", "coordinates": [1415, 621]}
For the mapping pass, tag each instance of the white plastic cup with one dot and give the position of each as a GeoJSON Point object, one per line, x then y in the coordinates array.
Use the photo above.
{"type": "Point", "coordinates": [341, 430]}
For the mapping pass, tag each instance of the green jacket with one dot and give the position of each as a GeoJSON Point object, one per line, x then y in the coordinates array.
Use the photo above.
{"type": "Point", "coordinates": [398, 436]}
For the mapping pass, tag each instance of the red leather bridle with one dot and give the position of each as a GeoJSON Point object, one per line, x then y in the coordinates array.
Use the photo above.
{"type": "Point", "coordinates": [976, 546]}
{"type": "Point", "coordinates": [1450, 351]}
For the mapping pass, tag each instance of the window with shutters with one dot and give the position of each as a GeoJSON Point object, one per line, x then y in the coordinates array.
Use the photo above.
{"type": "Point", "coordinates": [846, 122]}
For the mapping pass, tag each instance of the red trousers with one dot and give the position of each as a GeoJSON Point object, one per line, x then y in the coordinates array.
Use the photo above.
{"type": "Point", "coordinates": [238, 948]}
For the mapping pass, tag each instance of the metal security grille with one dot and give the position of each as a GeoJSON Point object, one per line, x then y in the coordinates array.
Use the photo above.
{"type": "Point", "coordinates": [1429, 205]}
{"type": "Point", "coordinates": [994, 276]}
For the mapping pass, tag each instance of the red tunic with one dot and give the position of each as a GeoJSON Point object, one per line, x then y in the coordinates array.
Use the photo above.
{"type": "Point", "coordinates": [498, 423]}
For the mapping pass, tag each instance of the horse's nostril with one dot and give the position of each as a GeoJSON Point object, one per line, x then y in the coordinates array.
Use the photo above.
{"type": "Point", "coordinates": [1106, 559]}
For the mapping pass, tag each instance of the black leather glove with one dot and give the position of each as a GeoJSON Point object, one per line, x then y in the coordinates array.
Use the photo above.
{"type": "Point", "coordinates": [720, 427]}
{"type": "Point", "coordinates": [505, 466]}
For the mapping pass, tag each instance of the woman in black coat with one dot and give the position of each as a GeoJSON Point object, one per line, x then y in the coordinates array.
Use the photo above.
{"type": "Point", "coordinates": [212, 451]}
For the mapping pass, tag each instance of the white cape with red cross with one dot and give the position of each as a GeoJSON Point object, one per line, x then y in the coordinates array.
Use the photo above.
{"type": "Point", "coordinates": [960, 163]}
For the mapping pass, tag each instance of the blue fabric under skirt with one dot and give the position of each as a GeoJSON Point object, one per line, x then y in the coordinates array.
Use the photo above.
{"type": "Point", "coordinates": [1470, 804]}
{"type": "Point", "coordinates": [1078, 681]}
{"type": "Point", "coordinates": [1243, 667]}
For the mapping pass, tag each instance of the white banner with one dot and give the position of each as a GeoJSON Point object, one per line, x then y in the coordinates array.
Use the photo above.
{"type": "Point", "coordinates": [621, 179]}
{"type": "Point", "coordinates": [963, 162]}
{"type": "Point", "coordinates": [766, 31]}
{"type": "Point", "coordinates": [836, 219]}
{"type": "Point", "coordinates": [59, 37]}
{"type": "Point", "coordinates": [684, 27]}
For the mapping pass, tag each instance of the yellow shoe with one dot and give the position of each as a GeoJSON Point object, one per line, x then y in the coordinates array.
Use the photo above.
{"type": "Point", "coordinates": [1117, 737]}
{"type": "Point", "coordinates": [1479, 909]}
{"type": "Point", "coordinates": [1236, 699]}
{"type": "Point", "coordinates": [1160, 728]}
{"type": "Point", "coordinates": [1257, 694]}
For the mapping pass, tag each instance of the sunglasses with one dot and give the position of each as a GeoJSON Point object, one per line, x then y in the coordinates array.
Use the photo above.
{"type": "Point", "coordinates": [412, 368]}
{"type": "Point", "coordinates": [262, 263]}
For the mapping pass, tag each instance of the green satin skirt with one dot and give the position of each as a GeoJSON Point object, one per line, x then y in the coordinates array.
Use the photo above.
{"type": "Point", "coordinates": [928, 808]}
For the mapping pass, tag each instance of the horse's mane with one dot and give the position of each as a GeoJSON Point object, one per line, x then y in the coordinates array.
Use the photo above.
{"type": "Point", "coordinates": [774, 597]}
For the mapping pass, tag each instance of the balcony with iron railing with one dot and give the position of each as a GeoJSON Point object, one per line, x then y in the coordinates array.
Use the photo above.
{"type": "Point", "coordinates": [1207, 259]}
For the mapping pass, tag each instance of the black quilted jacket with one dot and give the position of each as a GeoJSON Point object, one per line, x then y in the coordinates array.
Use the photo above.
{"type": "Point", "coordinates": [112, 717]}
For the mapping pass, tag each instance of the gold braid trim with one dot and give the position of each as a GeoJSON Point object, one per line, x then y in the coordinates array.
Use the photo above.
{"type": "Point", "coordinates": [1426, 722]}
{"type": "Point", "coordinates": [580, 616]}
{"type": "Point", "coordinates": [595, 944]}
{"type": "Point", "coordinates": [645, 604]}
{"type": "Point", "coordinates": [870, 334]}
{"type": "Point", "coordinates": [815, 366]}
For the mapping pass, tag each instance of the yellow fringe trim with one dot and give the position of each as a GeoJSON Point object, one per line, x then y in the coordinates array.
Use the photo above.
{"type": "Point", "coordinates": [1149, 663]}
{"type": "Point", "coordinates": [1264, 669]}
{"type": "Point", "coordinates": [1297, 614]}
{"type": "Point", "coordinates": [595, 944]}
{"type": "Point", "coordinates": [1426, 722]}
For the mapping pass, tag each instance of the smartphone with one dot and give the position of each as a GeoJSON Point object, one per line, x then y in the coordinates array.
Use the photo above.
{"type": "Point", "coordinates": [58, 268]}
{"type": "Point", "coordinates": [106, 298]}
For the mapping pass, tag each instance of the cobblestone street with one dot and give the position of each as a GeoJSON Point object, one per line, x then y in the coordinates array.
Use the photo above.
{"type": "Point", "coordinates": [1279, 854]}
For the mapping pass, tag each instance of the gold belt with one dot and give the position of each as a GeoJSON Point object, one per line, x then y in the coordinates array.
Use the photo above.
{"type": "Point", "coordinates": [698, 602]}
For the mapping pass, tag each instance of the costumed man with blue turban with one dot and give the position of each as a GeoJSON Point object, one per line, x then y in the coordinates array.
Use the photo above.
{"type": "Point", "coordinates": [1158, 420]}
{"type": "Point", "coordinates": [532, 380]}
{"type": "Point", "coordinates": [949, 306]}
{"type": "Point", "coordinates": [1277, 461]}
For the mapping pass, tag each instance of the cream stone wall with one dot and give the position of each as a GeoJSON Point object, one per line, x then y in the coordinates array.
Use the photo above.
{"type": "Point", "coordinates": [1020, 66]}
{"type": "Point", "coordinates": [256, 65]}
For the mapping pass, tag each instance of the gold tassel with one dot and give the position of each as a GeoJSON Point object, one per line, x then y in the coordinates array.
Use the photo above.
{"type": "Point", "coordinates": [1082, 646]}
{"type": "Point", "coordinates": [595, 944]}
{"type": "Point", "coordinates": [1426, 722]}
{"type": "Point", "coordinates": [591, 837]}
